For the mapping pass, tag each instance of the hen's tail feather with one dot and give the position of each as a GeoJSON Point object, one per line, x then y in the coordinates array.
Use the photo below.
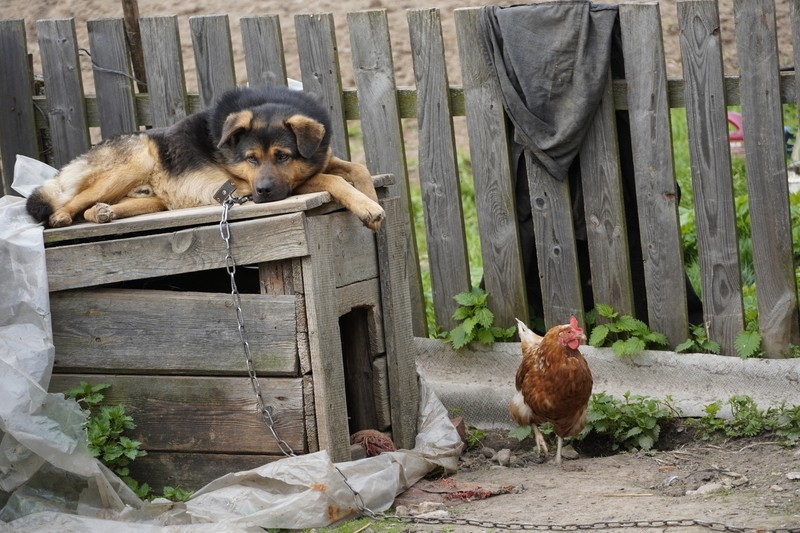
{"type": "Point", "coordinates": [525, 333]}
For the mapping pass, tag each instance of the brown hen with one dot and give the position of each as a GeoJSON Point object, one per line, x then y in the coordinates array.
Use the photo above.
{"type": "Point", "coordinates": [553, 383]}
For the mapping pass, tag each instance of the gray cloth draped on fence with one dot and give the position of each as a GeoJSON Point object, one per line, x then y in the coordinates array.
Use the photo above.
{"type": "Point", "coordinates": [551, 61]}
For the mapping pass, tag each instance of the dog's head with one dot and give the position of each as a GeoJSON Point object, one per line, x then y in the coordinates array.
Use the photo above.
{"type": "Point", "coordinates": [274, 147]}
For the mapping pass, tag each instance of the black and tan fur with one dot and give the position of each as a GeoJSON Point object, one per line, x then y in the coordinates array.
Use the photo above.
{"type": "Point", "coordinates": [270, 142]}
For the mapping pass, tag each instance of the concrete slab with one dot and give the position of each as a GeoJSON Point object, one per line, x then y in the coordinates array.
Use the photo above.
{"type": "Point", "coordinates": [479, 382]}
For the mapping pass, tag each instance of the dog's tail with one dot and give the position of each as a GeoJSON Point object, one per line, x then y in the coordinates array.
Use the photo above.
{"type": "Point", "coordinates": [38, 206]}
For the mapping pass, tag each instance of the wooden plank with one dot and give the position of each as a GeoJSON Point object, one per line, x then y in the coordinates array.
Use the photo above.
{"type": "Point", "coordinates": [494, 184]}
{"type": "Point", "coordinates": [263, 50]}
{"type": "Point", "coordinates": [130, 12]}
{"type": "Point", "coordinates": [321, 75]}
{"type": "Point", "coordinates": [213, 56]}
{"type": "Point", "coordinates": [202, 414]}
{"type": "Point", "coordinates": [438, 168]}
{"type": "Point", "coordinates": [382, 131]}
{"type": "Point", "coordinates": [556, 251]}
{"type": "Point", "coordinates": [398, 335]}
{"type": "Point", "coordinates": [712, 180]}
{"type": "Point", "coordinates": [163, 61]}
{"type": "Point", "coordinates": [66, 109]}
{"type": "Point", "coordinates": [327, 366]}
{"type": "Point", "coordinates": [382, 400]}
{"type": "Point", "coordinates": [113, 82]}
{"type": "Point", "coordinates": [354, 255]}
{"type": "Point", "coordinates": [604, 207]}
{"type": "Point", "coordinates": [171, 332]}
{"type": "Point", "coordinates": [365, 294]}
{"type": "Point", "coordinates": [656, 189]}
{"type": "Point", "coordinates": [187, 250]}
{"type": "Point", "coordinates": [17, 122]}
{"type": "Point", "coordinates": [770, 221]}
{"type": "Point", "coordinates": [192, 471]}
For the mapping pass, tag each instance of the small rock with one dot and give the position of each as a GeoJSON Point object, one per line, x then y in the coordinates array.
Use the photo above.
{"type": "Point", "coordinates": [488, 452]}
{"type": "Point", "coordinates": [669, 481]}
{"type": "Point", "coordinates": [569, 453]}
{"type": "Point", "coordinates": [794, 476]}
{"type": "Point", "coordinates": [503, 457]}
{"type": "Point", "coordinates": [777, 488]}
{"type": "Point", "coordinates": [429, 507]}
{"type": "Point", "coordinates": [402, 510]}
{"type": "Point", "coordinates": [435, 515]}
{"type": "Point", "coordinates": [703, 490]}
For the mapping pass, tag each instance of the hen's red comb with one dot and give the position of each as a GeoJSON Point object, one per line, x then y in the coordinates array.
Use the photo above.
{"type": "Point", "coordinates": [573, 322]}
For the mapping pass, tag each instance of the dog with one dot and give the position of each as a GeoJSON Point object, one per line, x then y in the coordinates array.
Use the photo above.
{"type": "Point", "coordinates": [267, 142]}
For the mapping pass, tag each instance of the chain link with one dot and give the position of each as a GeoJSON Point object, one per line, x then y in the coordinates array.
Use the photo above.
{"type": "Point", "coordinates": [596, 526]}
{"type": "Point", "coordinates": [230, 266]}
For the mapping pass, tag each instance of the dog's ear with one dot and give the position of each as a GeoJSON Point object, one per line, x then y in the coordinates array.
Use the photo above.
{"type": "Point", "coordinates": [235, 124]}
{"type": "Point", "coordinates": [308, 132]}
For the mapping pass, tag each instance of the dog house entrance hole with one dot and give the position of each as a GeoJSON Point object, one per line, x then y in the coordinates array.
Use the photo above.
{"type": "Point", "coordinates": [358, 370]}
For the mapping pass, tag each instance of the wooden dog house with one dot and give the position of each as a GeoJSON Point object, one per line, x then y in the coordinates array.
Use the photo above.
{"type": "Point", "coordinates": [145, 304]}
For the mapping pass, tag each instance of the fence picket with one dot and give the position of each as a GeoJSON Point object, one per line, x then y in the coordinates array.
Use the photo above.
{"type": "Point", "coordinates": [438, 169]}
{"type": "Point", "coordinates": [17, 121]}
{"type": "Point", "coordinates": [494, 186]}
{"type": "Point", "coordinates": [213, 56]}
{"type": "Point", "coordinates": [166, 85]}
{"type": "Point", "coordinates": [382, 131]}
{"type": "Point", "coordinates": [656, 189]}
{"type": "Point", "coordinates": [762, 122]}
{"type": "Point", "coordinates": [66, 107]}
{"type": "Point", "coordinates": [263, 50]}
{"type": "Point", "coordinates": [319, 65]}
{"type": "Point", "coordinates": [604, 208]}
{"type": "Point", "coordinates": [112, 77]}
{"type": "Point", "coordinates": [712, 182]}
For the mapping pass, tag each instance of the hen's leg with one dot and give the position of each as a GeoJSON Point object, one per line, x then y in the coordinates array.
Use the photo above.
{"type": "Point", "coordinates": [541, 446]}
{"type": "Point", "coordinates": [558, 450]}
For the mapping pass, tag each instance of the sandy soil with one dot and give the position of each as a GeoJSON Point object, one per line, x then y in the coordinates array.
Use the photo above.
{"type": "Point", "coordinates": [756, 490]}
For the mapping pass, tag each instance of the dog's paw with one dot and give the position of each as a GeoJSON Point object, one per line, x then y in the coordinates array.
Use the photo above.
{"type": "Point", "coordinates": [59, 219]}
{"type": "Point", "coordinates": [372, 216]}
{"type": "Point", "coordinates": [100, 213]}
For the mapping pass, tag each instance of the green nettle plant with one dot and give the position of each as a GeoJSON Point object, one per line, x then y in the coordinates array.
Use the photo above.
{"type": "Point", "coordinates": [626, 335]}
{"type": "Point", "coordinates": [633, 423]}
{"type": "Point", "coordinates": [698, 342]}
{"type": "Point", "coordinates": [105, 426]}
{"type": "Point", "coordinates": [476, 321]}
{"type": "Point", "coordinates": [747, 420]}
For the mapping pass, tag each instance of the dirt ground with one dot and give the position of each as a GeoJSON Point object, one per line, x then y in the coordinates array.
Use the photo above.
{"type": "Point", "coordinates": [755, 476]}
{"type": "Point", "coordinates": [751, 483]}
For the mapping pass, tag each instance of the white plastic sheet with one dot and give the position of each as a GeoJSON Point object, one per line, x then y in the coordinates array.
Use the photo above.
{"type": "Point", "coordinates": [50, 482]}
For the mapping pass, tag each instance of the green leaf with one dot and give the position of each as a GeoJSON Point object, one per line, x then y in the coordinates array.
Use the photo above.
{"type": "Point", "coordinates": [459, 337]}
{"type": "Point", "coordinates": [605, 311]}
{"type": "Point", "coordinates": [484, 317]}
{"type": "Point", "coordinates": [628, 323]}
{"type": "Point", "coordinates": [646, 442]}
{"type": "Point", "coordinates": [685, 346]}
{"type": "Point", "coordinates": [747, 343]}
{"type": "Point", "coordinates": [520, 433]}
{"type": "Point", "coordinates": [461, 313]}
{"type": "Point", "coordinates": [598, 336]}
{"type": "Point", "coordinates": [484, 336]}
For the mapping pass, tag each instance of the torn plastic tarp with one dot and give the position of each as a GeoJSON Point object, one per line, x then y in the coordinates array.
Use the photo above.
{"type": "Point", "coordinates": [50, 482]}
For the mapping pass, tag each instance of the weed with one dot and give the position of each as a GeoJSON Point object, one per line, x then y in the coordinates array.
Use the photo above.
{"type": "Point", "coordinates": [747, 420]}
{"type": "Point", "coordinates": [698, 342]}
{"type": "Point", "coordinates": [626, 335]}
{"type": "Point", "coordinates": [105, 426]}
{"type": "Point", "coordinates": [474, 437]}
{"type": "Point", "coordinates": [476, 321]}
{"type": "Point", "coordinates": [634, 423]}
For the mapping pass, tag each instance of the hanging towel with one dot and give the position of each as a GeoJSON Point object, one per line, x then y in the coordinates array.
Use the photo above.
{"type": "Point", "coordinates": [551, 61]}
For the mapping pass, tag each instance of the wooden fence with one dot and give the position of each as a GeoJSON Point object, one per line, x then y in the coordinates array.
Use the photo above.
{"type": "Point", "coordinates": [60, 120]}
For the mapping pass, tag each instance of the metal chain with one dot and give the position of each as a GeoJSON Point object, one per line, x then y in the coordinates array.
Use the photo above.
{"type": "Point", "coordinates": [230, 266]}
{"type": "Point", "coordinates": [596, 526]}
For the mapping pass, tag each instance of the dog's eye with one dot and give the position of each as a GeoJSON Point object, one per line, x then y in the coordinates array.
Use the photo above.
{"type": "Point", "coordinates": [282, 157]}
{"type": "Point", "coordinates": [253, 160]}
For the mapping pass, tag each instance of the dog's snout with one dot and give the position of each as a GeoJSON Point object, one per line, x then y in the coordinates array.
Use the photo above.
{"type": "Point", "coordinates": [269, 190]}
{"type": "Point", "coordinates": [265, 189]}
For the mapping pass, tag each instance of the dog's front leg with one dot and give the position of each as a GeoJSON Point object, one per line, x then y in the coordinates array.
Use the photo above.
{"type": "Point", "coordinates": [355, 173]}
{"type": "Point", "coordinates": [365, 208]}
